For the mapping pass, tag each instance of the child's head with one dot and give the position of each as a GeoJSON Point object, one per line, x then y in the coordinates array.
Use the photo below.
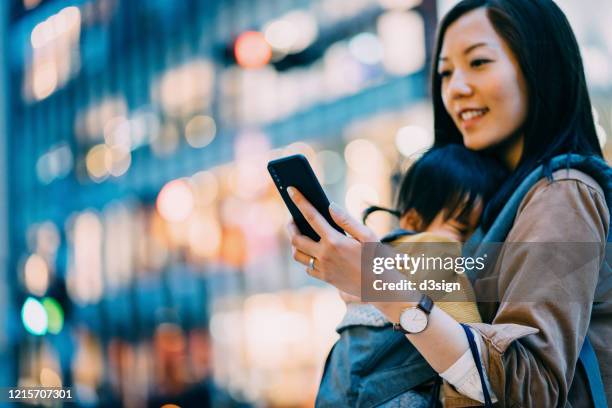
{"type": "Point", "coordinates": [445, 191]}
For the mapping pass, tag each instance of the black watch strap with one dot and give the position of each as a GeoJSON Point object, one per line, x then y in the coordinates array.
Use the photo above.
{"type": "Point", "coordinates": [398, 328]}
{"type": "Point", "coordinates": [425, 304]}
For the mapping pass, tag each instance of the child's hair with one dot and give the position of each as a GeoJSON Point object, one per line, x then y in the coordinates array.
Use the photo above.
{"type": "Point", "coordinates": [450, 178]}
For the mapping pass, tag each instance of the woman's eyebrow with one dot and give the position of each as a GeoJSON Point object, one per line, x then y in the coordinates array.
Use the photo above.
{"type": "Point", "coordinates": [467, 50]}
{"type": "Point", "coordinates": [474, 46]}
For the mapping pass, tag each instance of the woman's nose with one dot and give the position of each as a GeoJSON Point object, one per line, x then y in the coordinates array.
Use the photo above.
{"type": "Point", "coordinates": [458, 86]}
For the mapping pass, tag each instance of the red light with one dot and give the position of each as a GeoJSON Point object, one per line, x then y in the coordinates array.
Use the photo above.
{"type": "Point", "coordinates": [252, 50]}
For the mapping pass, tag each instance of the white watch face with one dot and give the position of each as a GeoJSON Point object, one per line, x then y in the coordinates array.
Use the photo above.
{"type": "Point", "coordinates": [413, 320]}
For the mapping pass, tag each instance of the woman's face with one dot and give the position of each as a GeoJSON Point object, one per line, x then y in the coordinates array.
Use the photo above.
{"type": "Point", "coordinates": [483, 88]}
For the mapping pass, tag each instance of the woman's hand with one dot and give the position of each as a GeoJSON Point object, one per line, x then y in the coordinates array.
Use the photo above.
{"type": "Point", "coordinates": [349, 298]}
{"type": "Point", "coordinates": [337, 257]}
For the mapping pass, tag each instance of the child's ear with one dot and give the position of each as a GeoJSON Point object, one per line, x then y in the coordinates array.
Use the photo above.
{"type": "Point", "coordinates": [411, 220]}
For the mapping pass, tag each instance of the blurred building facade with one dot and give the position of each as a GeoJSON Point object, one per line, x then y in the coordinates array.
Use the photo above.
{"type": "Point", "coordinates": [147, 262]}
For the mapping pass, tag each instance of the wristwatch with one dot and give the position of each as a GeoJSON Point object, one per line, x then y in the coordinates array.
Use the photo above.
{"type": "Point", "coordinates": [414, 319]}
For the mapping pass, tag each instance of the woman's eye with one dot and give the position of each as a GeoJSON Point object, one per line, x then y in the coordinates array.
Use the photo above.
{"type": "Point", "coordinates": [479, 62]}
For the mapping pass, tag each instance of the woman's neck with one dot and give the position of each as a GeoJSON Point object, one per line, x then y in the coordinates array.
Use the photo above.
{"type": "Point", "coordinates": [511, 155]}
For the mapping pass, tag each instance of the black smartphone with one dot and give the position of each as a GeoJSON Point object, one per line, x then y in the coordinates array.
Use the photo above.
{"type": "Point", "coordinates": [295, 171]}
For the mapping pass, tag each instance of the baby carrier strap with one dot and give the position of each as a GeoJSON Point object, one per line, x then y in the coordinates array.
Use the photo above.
{"type": "Point", "coordinates": [595, 167]}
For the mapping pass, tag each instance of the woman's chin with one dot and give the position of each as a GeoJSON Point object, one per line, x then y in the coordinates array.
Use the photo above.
{"type": "Point", "coordinates": [476, 143]}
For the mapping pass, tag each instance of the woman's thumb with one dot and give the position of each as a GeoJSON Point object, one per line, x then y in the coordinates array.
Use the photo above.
{"type": "Point", "coordinates": [351, 225]}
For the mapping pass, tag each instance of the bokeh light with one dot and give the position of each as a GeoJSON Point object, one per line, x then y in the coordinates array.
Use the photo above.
{"type": "Point", "coordinates": [55, 315]}
{"type": "Point", "coordinates": [34, 317]}
{"type": "Point", "coordinates": [233, 246]}
{"type": "Point", "coordinates": [84, 279]}
{"type": "Point", "coordinates": [206, 188]}
{"type": "Point", "coordinates": [363, 157]}
{"type": "Point", "coordinates": [360, 196]}
{"type": "Point", "coordinates": [186, 88]}
{"type": "Point", "coordinates": [103, 160]}
{"type": "Point", "coordinates": [120, 223]}
{"type": "Point", "coordinates": [117, 132]}
{"type": "Point", "coordinates": [56, 163]}
{"type": "Point", "coordinates": [49, 378]}
{"type": "Point", "coordinates": [301, 148]}
{"type": "Point", "coordinates": [47, 239]}
{"type": "Point", "coordinates": [343, 73]}
{"type": "Point", "coordinates": [175, 201]}
{"type": "Point", "coordinates": [411, 140]}
{"type": "Point", "coordinates": [45, 80]}
{"type": "Point", "coordinates": [366, 48]}
{"type": "Point", "coordinates": [91, 119]}
{"type": "Point", "coordinates": [30, 4]}
{"type": "Point", "coordinates": [36, 275]}
{"type": "Point", "coordinates": [121, 159]}
{"type": "Point", "coordinates": [98, 162]}
{"type": "Point", "coordinates": [399, 4]}
{"type": "Point", "coordinates": [55, 56]}
{"type": "Point", "coordinates": [291, 33]}
{"type": "Point", "coordinates": [55, 26]}
{"type": "Point", "coordinates": [402, 57]}
{"type": "Point", "coordinates": [248, 179]}
{"type": "Point", "coordinates": [252, 50]}
{"type": "Point", "coordinates": [200, 131]}
{"type": "Point", "coordinates": [331, 165]}
{"type": "Point", "coordinates": [204, 235]}
{"type": "Point", "coordinates": [281, 35]}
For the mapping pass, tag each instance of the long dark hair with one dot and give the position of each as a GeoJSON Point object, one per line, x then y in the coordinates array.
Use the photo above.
{"type": "Point", "coordinates": [559, 118]}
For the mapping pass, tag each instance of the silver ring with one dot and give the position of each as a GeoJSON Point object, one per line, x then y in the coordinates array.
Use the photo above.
{"type": "Point", "coordinates": [311, 263]}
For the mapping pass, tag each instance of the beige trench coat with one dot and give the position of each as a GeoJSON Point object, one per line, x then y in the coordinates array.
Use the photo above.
{"type": "Point", "coordinates": [531, 348]}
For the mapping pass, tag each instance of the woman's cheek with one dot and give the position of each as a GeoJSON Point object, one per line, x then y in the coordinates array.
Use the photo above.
{"type": "Point", "coordinates": [507, 93]}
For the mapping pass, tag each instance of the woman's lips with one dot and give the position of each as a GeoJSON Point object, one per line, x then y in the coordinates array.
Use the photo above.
{"type": "Point", "coordinates": [471, 117]}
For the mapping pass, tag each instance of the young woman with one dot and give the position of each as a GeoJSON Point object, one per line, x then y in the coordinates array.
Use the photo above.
{"type": "Point", "coordinates": [508, 79]}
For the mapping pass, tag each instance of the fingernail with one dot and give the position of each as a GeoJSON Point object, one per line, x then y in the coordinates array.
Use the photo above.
{"type": "Point", "coordinates": [291, 191]}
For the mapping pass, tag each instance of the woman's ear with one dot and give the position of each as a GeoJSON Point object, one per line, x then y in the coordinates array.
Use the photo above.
{"type": "Point", "coordinates": [411, 220]}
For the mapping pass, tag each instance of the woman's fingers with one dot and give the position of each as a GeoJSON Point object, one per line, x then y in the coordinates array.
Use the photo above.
{"type": "Point", "coordinates": [304, 259]}
{"type": "Point", "coordinates": [337, 258]}
{"type": "Point", "coordinates": [302, 247]}
{"type": "Point", "coordinates": [312, 216]}
{"type": "Point", "coordinates": [299, 253]}
{"type": "Point", "coordinates": [301, 257]}
{"type": "Point", "coordinates": [305, 244]}
{"type": "Point", "coordinates": [352, 226]}
{"type": "Point", "coordinates": [301, 242]}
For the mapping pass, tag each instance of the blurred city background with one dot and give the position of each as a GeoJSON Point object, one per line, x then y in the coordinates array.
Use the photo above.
{"type": "Point", "coordinates": [144, 259]}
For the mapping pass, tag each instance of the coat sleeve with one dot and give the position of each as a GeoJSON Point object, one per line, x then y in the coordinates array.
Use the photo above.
{"type": "Point", "coordinates": [545, 300]}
